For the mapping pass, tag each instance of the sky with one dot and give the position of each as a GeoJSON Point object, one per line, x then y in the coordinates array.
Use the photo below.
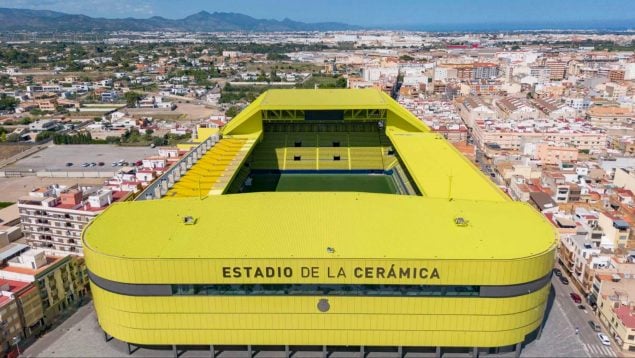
{"type": "Point", "coordinates": [368, 13]}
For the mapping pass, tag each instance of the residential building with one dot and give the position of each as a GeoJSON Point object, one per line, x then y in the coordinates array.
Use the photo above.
{"type": "Point", "coordinates": [60, 281]}
{"type": "Point", "coordinates": [615, 309]}
{"type": "Point", "coordinates": [557, 69]}
{"type": "Point", "coordinates": [616, 230]}
{"type": "Point", "coordinates": [610, 116]}
{"type": "Point", "coordinates": [552, 154]}
{"type": "Point", "coordinates": [625, 178]}
{"type": "Point", "coordinates": [54, 217]}
{"type": "Point", "coordinates": [616, 75]}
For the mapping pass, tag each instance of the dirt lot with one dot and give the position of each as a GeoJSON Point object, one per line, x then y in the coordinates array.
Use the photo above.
{"type": "Point", "coordinates": [7, 151]}
{"type": "Point", "coordinates": [184, 111]}
{"type": "Point", "coordinates": [13, 188]}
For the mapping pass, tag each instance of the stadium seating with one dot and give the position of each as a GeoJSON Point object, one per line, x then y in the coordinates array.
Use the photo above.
{"type": "Point", "coordinates": [213, 168]}
{"type": "Point", "coordinates": [323, 146]}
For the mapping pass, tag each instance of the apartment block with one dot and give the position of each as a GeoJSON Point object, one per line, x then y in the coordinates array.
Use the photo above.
{"type": "Point", "coordinates": [54, 217]}
{"type": "Point", "coordinates": [21, 312]}
{"type": "Point", "coordinates": [625, 178]}
{"type": "Point", "coordinates": [610, 116]}
{"type": "Point", "coordinates": [616, 230]}
{"type": "Point", "coordinates": [616, 308]}
{"type": "Point", "coordinates": [60, 281]}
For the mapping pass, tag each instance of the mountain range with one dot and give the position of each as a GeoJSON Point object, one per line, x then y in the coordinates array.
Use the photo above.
{"type": "Point", "coordinates": [52, 21]}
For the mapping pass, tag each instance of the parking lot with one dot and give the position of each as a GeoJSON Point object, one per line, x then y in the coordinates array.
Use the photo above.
{"type": "Point", "coordinates": [56, 157]}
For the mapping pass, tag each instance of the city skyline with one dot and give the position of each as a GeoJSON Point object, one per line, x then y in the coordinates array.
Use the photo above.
{"type": "Point", "coordinates": [406, 15]}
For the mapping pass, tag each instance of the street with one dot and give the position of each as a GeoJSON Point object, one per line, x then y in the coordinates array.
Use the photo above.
{"type": "Point", "coordinates": [580, 318]}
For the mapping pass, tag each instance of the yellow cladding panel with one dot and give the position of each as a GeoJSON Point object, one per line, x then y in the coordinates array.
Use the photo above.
{"type": "Point", "coordinates": [295, 320]}
{"type": "Point", "coordinates": [348, 271]}
{"type": "Point", "coordinates": [446, 174]}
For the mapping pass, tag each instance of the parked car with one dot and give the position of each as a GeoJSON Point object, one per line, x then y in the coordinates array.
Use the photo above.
{"type": "Point", "coordinates": [101, 164]}
{"type": "Point", "coordinates": [557, 272]}
{"type": "Point", "coordinates": [604, 339]}
{"type": "Point", "coordinates": [564, 280]}
{"type": "Point", "coordinates": [138, 163]}
{"type": "Point", "coordinates": [84, 165]}
{"type": "Point", "coordinates": [93, 164]}
{"type": "Point", "coordinates": [114, 164]}
{"type": "Point", "coordinates": [69, 164]}
{"type": "Point", "coordinates": [575, 297]}
{"type": "Point", "coordinates": [594, 326]}
{"type": "Point", "coordinates": [581, 306]}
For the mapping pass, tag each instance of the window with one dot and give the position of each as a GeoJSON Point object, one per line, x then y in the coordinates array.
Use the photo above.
{"type": "Point", "coordinates": [631, 337]}
{"type": "Point", "coordinates": [336, 157]}
{"type": "Point", "coordinates": [336, 143]}
{"type": "Point", "coordinates": [297, 158]}
{"type": "Point", "coordinates": [297, 143]}
{"type": "Point", "coordinates": [320, 290]}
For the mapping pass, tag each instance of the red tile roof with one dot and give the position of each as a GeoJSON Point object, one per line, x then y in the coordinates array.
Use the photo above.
{"type": "Point", "coordinates": [626, 315]}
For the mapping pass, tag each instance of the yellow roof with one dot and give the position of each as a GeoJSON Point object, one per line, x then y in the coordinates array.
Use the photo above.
{"type": "Point", "coordinates": [303, 225]}
{"type": "Point", "coordinates": [439, 170]}
{"type": "Point", "coordinates": [323, 99]}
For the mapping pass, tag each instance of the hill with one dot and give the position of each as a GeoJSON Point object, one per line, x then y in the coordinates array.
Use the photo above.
{"type": "Point", "coordinates": [52, 21]}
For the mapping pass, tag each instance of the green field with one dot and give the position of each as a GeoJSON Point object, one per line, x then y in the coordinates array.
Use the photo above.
{"type": "Point", "coordinates": [376, 183]}
{"type": "Point", "coordinates": [4, 204]}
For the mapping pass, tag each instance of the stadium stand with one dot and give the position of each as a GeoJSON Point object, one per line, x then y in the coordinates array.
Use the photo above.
{"type": "Point", "coordinates": [323, 146]}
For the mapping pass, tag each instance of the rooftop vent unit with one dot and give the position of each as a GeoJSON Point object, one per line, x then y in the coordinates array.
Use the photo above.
{"type": "Point", "coordinates": [460, 221]}
{"type": "Point", "coordinates": [189, 220]}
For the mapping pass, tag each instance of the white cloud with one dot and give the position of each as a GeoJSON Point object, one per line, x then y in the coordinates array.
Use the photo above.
{"type": "Point", "coordinates": [93, 8]}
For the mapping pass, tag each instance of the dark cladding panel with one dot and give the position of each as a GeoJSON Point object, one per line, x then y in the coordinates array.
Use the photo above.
{"type": "Point", "coordinates": [324, 115]}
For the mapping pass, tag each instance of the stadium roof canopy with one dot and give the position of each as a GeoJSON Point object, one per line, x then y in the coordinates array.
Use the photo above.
{"type": "Point", "coordinates": [460, 215]}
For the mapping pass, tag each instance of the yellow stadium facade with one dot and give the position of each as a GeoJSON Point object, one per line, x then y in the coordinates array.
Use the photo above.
{"type": "Point", "coordinates": [458, 265]}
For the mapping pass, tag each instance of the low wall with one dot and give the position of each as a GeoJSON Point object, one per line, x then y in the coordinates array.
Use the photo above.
{"type": "Point", "coordinates": [75, 174]}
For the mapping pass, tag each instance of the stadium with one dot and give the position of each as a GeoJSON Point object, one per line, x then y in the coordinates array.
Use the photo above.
{"type": "Point", "coordinates": [327, 218]}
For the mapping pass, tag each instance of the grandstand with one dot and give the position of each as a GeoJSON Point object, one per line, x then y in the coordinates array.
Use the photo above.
{"type": "Point", "coordinates": [298, 146]}
{"type": "Point", "coordinates": [293, 146]}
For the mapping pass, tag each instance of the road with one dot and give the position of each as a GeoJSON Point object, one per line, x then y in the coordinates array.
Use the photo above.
{"type": "Point", "coordinates": [44, 342]}
{"type": "Point", "coordinates": [580, 318]}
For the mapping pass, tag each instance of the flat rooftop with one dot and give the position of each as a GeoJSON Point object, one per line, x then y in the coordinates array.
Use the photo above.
{"type": "Point", "coordinates": [323, 99]}
{"type": "Point", "coordinates": [440, 170]}
{"type": "Point", "coordinates": [302, 225]}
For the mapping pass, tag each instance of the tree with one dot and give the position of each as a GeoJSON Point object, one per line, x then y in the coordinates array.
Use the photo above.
{"type": "Point", "coordinates": [274, 76]}
{"type": "Point", "coordinates": [406, 58]}
{"type": "Point", "coordinates": [43, 136]}
{"type": "Point", "coordinates": [7, 103]}
{"type": "Point", "coordinates": [13, 138]}
{"type": "Point", "coordinates": [232, 111]}
{"type": "Point", "coordinates": [341, 82]}
{"type": "Point", "coordinates": [158, 141]}
{"type": "Point", "coordinates": [132, 97]}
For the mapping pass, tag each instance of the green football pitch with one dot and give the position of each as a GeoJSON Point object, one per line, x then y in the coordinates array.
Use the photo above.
{"type": "Point", "coordinates": [369, 183]}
